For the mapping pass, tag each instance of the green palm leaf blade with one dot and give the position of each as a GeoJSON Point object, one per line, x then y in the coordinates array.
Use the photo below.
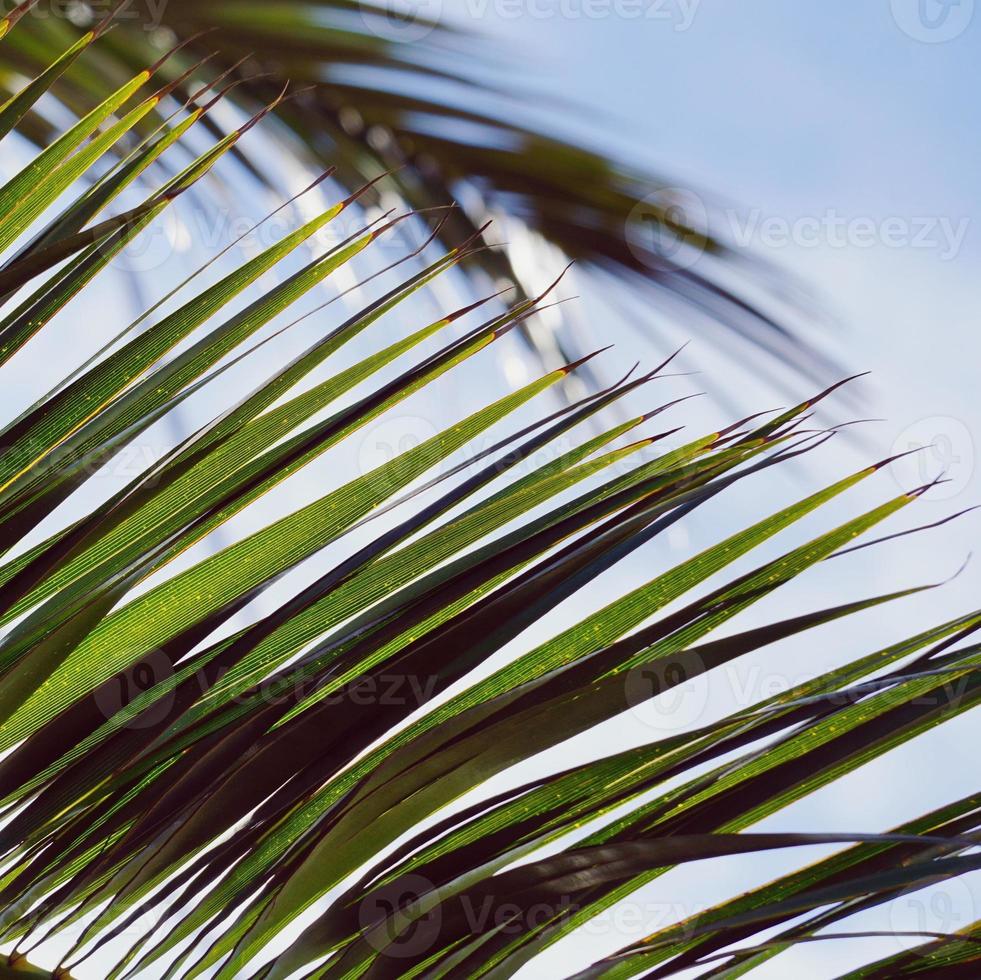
{"type": "Point", "coordinates": [10, 19]}
{"type": "Point", "coordinates": [551, 881]}
{"type": "Point", "coordinates": [24, 196]}
{"type": "Point", "coordinates": [200, 817]}
{"type": "Point", "coordinates": [17, 327]}
{"type": "Point", "coordinates": [690, 743]}
{"type": "Point", "coordinates": [282, 545]}
{"type": "Point", "coordinates": [302, 818]}
{"type": "Point", "coordinates": [273, 467]}
{"type": "Point", "coordinates": [21, 271]}
{"type": "Point", "coordinates": [147, 698]}
{"type": "Point", "coordinates": [100, 441]}
{"type": "Point", "coordinates": [955, 956]}
{"type": "Point", "coordinates": [373, 577]}
{"type": "Point", "coordinates": [79, 401]}
{"type": "Point", "coordinates": [927, 702]}
{"type": "Point", "coordinates": [328, 851]}
{"type": "Point", "coordinates": [465, 491]}
{"type": "Point", "coordinates": [19, 104]}
{"type": "Point", "coordinates": [126, 412]}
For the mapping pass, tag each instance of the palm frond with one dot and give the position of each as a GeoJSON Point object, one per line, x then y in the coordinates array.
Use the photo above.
{"type": "Point", "coordinates": [300, 786]}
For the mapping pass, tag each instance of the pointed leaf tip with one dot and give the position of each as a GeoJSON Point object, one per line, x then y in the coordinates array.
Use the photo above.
{"type": "Point", "coordinates": [364, 188]}
{"type": "Point", "coordinates": [569, 368]}
{"type": "Point", "coordinates": [832, 388]}
{"type": "Point", "coordinates": [667, 360]}
{"type": "Point", "coordinates": [167, 55]}
{"type": "Point", "coordinates": [670, 404]}
{"type": "Point", "coordinates": [892, 459]}
{"type": "Point", "coordinates": [464, 310]}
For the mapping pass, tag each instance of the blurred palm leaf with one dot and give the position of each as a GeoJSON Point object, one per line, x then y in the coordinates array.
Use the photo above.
{"type": "Point", "coordinates": [382, 89]}
{"type": "Point", "coordinates": [196, 783]}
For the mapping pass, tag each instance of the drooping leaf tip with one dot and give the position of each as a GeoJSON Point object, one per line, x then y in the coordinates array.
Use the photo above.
{"type": "Point", "coordinates": [667, 360]}
{"type": "Point", "coordinates": [10, 20]}
{"type": "Point", "coordinates": [170, 86]}
{"type": "Point", "coordinates": [329, 172]}
{"type": "Point", "coordinates": [749, 418]}
{"type": "Point", "coordinates": [657, 437]}
{"type": "Point", "coordinates": [937, 481]}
